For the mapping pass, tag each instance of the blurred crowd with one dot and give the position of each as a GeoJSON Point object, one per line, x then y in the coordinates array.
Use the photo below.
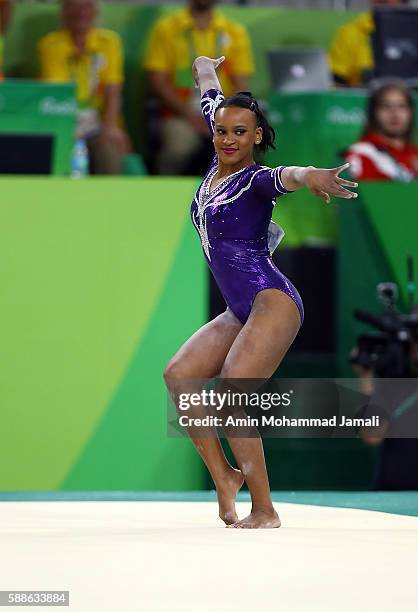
{"type": "Point", "coordinates": [179, 141]}
{"type": "Point", "coordinates": [386, 149]}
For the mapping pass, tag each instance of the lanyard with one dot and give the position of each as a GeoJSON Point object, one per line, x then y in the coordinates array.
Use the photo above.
{"type": "Point", "coordinates": [192, 48]}
{"type": "Point", "coordinates": [184, 76]}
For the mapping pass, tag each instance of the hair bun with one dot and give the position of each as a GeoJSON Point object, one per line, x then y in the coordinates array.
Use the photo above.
{"type": "Point", "coordinates": [254, 104]}
{"type": "Point", "coordinates": [245, 93]}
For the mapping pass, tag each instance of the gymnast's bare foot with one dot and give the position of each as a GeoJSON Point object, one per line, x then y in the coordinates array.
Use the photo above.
{"type": "Point", "coordinates": [226, 491]}
{"type": "Point", "coordinates": [258, 519]}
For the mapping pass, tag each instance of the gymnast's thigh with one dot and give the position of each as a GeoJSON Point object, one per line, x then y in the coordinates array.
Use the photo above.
{"type": "Point", "coordinates": [260, 346]}
{"type": "Point", "coordinates": [203, 354]}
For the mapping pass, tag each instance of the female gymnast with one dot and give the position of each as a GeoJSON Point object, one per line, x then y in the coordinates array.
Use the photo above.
{"type": "Point", "coordinates": [232, 213]}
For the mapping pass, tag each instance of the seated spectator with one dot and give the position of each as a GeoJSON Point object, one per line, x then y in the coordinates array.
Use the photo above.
{"type": "Point", "coordinates": [91, 57]}
{"type": "Point", "coordinates": [175, 42]}
{"type": "Point", "coordinates": [386, 150]}
{"type": "Point", "coordinates": [5, 14]}
{"type": "Point", "coordinates": [351, 55]}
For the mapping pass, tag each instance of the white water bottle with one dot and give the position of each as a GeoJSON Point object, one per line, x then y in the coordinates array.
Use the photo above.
{"type": "Point", "coordinates": [80, 159]}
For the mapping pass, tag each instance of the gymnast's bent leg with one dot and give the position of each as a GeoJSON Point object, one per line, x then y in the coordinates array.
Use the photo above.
{"type": "Point", "coordinates": [202, 356]}
{"type": "Point", "coordinates": [256, 353]}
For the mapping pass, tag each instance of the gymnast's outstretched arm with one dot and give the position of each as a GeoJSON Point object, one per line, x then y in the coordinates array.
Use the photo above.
{"type": "Point", "coordinates": [321, 182]}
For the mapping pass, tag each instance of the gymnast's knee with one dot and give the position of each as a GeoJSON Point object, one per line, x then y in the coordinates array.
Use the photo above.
{"type": "Point", "coordinates": [172, 371]}
{"type": "Point", "coordinates": [177, 372]}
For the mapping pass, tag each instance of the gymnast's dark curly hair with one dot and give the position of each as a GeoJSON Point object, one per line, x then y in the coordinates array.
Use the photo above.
{"type": "Point", "coordinates": [244, 99]}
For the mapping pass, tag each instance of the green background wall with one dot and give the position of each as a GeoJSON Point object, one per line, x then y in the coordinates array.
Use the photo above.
{"type": "Point", "coordinates": [102, 281]}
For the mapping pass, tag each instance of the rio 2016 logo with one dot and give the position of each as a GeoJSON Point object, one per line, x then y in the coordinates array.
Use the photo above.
{"type": "Point", "coordinates": [346, 116]}
{"type": "Point", "coordinates": [52, 106]}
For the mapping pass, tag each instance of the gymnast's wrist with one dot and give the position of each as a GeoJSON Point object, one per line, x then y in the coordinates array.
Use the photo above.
{"type": "Point", "coordinates": [302, 173]}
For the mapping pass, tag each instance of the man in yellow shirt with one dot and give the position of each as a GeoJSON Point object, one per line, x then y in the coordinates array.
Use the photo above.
{"type": "Point", "coordinates": [351, 55]}
{"type": "Point", "coordinates": [93, 58]}
{"type": "Point", "coordinates": [5, 14]}
{"type": "Point", "coordinates": [175, 42]}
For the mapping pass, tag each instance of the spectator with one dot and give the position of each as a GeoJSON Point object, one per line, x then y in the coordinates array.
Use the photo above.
{"type": "Point", "coordinates": [5, 14]}
{"type": "Point", "coordinates": [91, 57]}
{"type": "Point", "coordinates": [176, 41]}
{"type": "Point", "coordinates": [351, 55]}
{"type": "Point", "coordinates": [386, 150]}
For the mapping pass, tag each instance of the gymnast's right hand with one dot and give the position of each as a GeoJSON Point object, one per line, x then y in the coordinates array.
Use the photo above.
{"type": "Point", "coordinates": [204, 65]}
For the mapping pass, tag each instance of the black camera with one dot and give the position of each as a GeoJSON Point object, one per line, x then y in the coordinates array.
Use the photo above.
{"type": "Point", "coordinates": [386, 351]}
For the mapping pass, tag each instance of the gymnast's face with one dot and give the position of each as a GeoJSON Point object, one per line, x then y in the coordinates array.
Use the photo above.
{"type": "Point", "coordinates": [235, 135]}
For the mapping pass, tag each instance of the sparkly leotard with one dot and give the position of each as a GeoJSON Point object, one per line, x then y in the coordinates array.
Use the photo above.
{"type": "Point", "coordinates": [235, 228]}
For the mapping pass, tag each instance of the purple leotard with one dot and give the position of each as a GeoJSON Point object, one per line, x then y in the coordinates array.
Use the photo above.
{"type": "Point", "coordinates": [233, 221]}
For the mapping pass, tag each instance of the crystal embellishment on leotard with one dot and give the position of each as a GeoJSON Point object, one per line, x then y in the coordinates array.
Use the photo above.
{"type": "Point", "coordinates": [275, 231]}
{"type": "Point", "coordinates": [205, 199]}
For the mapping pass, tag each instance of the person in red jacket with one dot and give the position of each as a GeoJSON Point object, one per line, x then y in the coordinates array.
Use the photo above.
{"type": "Point", "coordinates": [386, 150]}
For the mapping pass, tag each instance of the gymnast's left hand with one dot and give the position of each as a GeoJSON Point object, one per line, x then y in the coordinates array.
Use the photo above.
{"type": "Point", "coordinates": [324, 183]}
